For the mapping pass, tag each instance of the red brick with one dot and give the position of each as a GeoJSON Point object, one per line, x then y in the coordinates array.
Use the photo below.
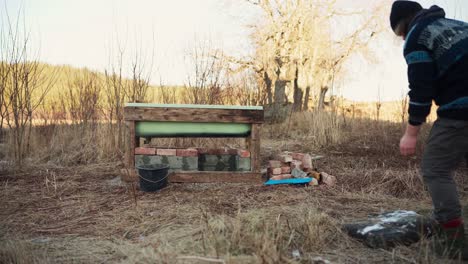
{"type": "Point", "coordinates": [284, 158]}
{"type": "Point", "coordinates": [328, 179]}
{"type": "Point", "coordinates": [285, 170]}
{"type": "Point", "coordinates": [297, 156]}
{"type": "Point", "coordinates": [275, 171]}
{"type": "Point", "coordinates": [295, 164]}
{"type": "Point", "coordinates": [145, 151]}
{"type": "Point", "coordinates": [187, 152]}
{"type": "Point", "coordinates": [281, 177]}
{"type": "Point", "coordinates": [307, 161]}
{"type": "Point", "coordinates": [243, 153]}
{"type": "Point", "coordinates": [274, 164]}
{"type": "Point", "coordinates": [166, 152]}
{"type": "Point", "coordinates": [202, 151]}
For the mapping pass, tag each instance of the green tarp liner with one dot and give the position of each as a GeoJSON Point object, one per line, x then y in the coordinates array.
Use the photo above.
{"type": "Point", "coordinates": [177, 129]}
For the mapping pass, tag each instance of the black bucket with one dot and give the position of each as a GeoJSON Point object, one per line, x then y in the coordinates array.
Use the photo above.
{"type": "Point", "coordinates": [153, 177]}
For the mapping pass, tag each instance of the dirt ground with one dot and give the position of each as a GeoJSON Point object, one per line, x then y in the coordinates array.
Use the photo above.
{"type": "Point", "coordinates": [86, 215]}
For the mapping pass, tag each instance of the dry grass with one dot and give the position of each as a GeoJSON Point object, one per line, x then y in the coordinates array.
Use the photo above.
{"type": "Point", "coordinates": [65, 208]}
{"type": "Point", "coordinates": [20, 252]}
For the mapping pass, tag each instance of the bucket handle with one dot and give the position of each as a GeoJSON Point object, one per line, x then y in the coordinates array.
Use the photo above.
{"type": "Point", "coordinates": [154, 181]}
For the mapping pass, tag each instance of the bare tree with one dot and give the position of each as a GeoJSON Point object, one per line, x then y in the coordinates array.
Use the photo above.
{"type": "Point", "coordinates": [4, 73]}
{"type": "Point", "coordinates": [83, 94]}
{"type": "Point", "coordinates": [206, 81]}
{"type": "Point", "coordinates": [139, 84]}
{"type": "Point", "coordinates": [296, 55]}
{"type": "Point", "coordinates": [115, 99]}
{"type": "Point", "coordinates": [24, 84]}
{"type": "Point", "coordinates": [140, 76]}
{"type": "Point", "coordinates": [119, 89]}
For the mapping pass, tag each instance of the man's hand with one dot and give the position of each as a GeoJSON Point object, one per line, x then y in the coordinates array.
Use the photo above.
{"type": "Point", "coordinates": [409, 139]}
{"type": "Point", "coordinates": [408, 145]}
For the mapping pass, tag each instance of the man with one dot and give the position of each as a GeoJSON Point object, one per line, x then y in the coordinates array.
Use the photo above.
{"type": "Point", "coordinates": [436, 51]}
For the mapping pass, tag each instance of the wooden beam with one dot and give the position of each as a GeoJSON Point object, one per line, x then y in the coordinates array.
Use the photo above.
{"type": "Point", "coordinates": [215, 177]}
{"type": "Point", "coordinates": [254, 148]}
{"type": "Point", "coordinates": [130, 174]}
{"type": "Point", "coordinates": [193, 115]}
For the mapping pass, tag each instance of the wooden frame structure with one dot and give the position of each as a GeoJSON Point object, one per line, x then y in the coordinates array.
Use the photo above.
{"type": "Point", "coordinates": [134, 113]}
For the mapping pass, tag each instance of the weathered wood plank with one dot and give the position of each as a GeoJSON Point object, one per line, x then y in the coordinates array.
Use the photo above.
{"type": "Point", "coordinates": [254, 148]}
{"type": "Point", "coordinates": [215, 176]}
{"type": "Point", "coordinates": [130, 153]}
{"type": "Point", "coordinates": [193, 115]}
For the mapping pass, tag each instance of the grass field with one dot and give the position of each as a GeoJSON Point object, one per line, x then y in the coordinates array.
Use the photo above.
{"type": "Point", "coordinates": [84, 214]}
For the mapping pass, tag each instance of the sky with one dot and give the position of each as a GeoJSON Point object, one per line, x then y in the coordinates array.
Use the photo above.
{"type": "Point", "coordinates": [89, 33]}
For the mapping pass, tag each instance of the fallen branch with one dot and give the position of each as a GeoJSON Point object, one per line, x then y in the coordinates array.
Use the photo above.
{"type": "Point", "coordinates": [212, 260]}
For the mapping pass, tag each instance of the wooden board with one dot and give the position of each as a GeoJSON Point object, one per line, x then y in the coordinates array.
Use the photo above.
{"type": "Point", "coordinates": [198, 106]}
{"type": "Point", "coordinates": [213, 177]}
{"type": "Point", "coordinates": [193, 115]}
{"type": "Point", "coordinates": [254, 147]}
{"type": "Point", "coordinates": [130, 153]}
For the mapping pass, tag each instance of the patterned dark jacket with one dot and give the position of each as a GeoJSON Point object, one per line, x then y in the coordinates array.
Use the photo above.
{"type": "Point", "coordinates": [436, 51]}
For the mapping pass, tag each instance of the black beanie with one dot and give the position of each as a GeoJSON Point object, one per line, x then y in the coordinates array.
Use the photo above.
{"type": "Point", "coordinates": [401, 9]}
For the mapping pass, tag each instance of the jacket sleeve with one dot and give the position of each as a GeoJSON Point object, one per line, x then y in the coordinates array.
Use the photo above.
{"type": "Point", "coordinates": [422, 76]}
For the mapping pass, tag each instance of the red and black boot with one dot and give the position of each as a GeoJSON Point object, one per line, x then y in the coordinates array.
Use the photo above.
{"type": "Point", "coordinates": [450, 241]}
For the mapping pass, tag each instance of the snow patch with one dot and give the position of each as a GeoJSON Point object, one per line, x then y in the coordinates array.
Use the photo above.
{"type": "Point", "coordinates": [368, 229]}
{"type": "Point", "coordinates": [393, 217]}
{"type": "Point", "coordinates": [396, 216]}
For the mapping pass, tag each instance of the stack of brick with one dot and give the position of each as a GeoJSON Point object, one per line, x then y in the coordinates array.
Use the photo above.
{"type": "Point", "coordinates": [289, 165]}
{"type": "Point", "coordinates": [176, 159]}
{"type": "Point", "coordinates": [193, 159]}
